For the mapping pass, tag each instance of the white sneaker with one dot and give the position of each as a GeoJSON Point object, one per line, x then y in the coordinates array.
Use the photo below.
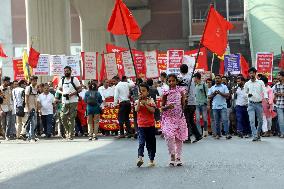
{"type": "Point", "coordinates": [205, 133]}
{"type": "Point", "coordinates": [32, 140]}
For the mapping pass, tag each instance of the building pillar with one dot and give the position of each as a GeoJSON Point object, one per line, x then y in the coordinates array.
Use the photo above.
{"type": "Point", "coordinates": [48, 26]}
{"type": "Point", "coordinates": [6, 37]}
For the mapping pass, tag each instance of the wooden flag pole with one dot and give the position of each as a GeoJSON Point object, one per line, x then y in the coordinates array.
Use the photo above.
{"type": "Point", "coordinates": [212, 61]}
{"type": "Point", "coordinates": [125, 29]}
{"type": "Point", "coordinates": [198, 51]}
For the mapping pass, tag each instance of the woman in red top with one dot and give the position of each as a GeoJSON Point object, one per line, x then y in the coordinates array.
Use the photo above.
{"type": "Point", "coordinates": [145, 108]}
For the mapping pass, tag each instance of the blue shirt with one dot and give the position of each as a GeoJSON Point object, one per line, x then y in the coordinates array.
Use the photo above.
{"type": "Point", "coordinates": [219, 102]}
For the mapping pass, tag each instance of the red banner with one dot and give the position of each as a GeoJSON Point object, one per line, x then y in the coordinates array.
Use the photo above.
{"type": "Point", "coordinates": [264, 64]}
{"type": "Point", "coordinates": [202, 59]}
{"type": "Point", "coordinates": [175, 59]}
{"type": "Point", "coordinates": [109, 118]}
{"type": "Point", "coordinates": [18, 69]}
{"type": "Point", "coordinates": [139, 62]}
{"type": "Point", "coordinates": [162, 61]}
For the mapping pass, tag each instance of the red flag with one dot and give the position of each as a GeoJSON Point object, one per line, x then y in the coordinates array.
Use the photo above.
{"type": "Point", "coordinates": [33, 57]}
{"type": "Point", "coordinates": [215, 36]}
{"type": "Point", "coordinates": [202, 58]}
{"type": "Point", "coordinates": [122, 22]}
{"type": "Point", "coordinates": [244, 67]}
{"type": "Point", "coordinates": [55, 80]}
{"type": "Point", "coordinates": [281, 63]}
{"type": "Point", "coordinates": [2, 53]}
{"type": "Point", "coordinates": [222, 67]}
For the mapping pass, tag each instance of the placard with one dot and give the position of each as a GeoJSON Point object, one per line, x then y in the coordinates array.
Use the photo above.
{"type": "Point", "coordinates": [162, 61]}
{"type": "Point", "coordinates": [74, 63]}
{"type": "Point", "coordinates": [110, 65]}
{"type": "Point", "coordinates": [140, 63]}
{"type": "Point", "coordinates": [151, 64]}
{"type": "Point", "coordinates": [232, 64]}
{"type": "Point", "coordinates": [57, 63]}
{"type": "Point", "coordinates": [175, 59]}
{"type": "Point", "coordinates": [18, 69]}
{"type": "Point", "coordinates": [264, 64]}
{"type": "Point", "coordinates": [128, 64]}
{"type": "Point", "coordinates": [42, 68]}
{"type": "Point", "coordinates": [89, 61]}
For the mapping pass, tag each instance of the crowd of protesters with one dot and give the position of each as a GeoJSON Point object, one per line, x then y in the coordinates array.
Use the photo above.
{"type": "Point", "coordinates": [223, 106]}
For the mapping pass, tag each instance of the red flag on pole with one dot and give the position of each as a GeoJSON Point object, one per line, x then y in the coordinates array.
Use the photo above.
{"type": "Point", "coordinates": [281, 63]}
{"type": "Point", "coordinates": [215, 36]}
{"type": "Point", "coordinates": [244, 67]}
{"type": "Point", "coordinates": [122, 22]}
{"type": "Point", "coordinates": [33, 57]}
{"type": "Point", "coordinates": [103, 69]}
{"type": "Point", "coordinates": [2, 53]}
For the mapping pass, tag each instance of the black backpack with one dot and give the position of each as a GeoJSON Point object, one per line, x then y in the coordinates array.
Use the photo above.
{"type": "Point", "coordinates": [72, 83]}
{"type": "Point", "coordinates": [92, 100]}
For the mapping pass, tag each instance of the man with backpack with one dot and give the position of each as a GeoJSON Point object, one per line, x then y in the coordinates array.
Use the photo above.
{"type": "Point", "coordinates": [70, 88]}
{"type": "Point", "coordinates": [201, 91]}
{"type": "Point", "coordinates": [31, 95]}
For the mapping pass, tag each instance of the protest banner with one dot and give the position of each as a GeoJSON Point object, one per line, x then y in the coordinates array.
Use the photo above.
{"type": "Point", "coordinates": [162, 61]}
{"type": "Point", "coordinates": [232, 64]}
{"type": "Point", "coordinates": [201, 64]}
{"type": "Point", "coordinates": [109, 117]}
{"type": "Point", "coordinates": [139, 63]}
{"type": "Point", "coordinates": [74, 63]}
{"type": "Point", "coordinates": [151, 64]}
{"type": "Point", "coordinates": [89, 65]}
{"type": "Point", "coordinates": [42, 68]}
{"type": "Point", "coordinates": [128, 64]}
{"type": "Point", "coordinates": [175, 59]}
{"type": "Point", "coordinates": [57, 63]}
{"type": "Point", "coordinates": [110, 65]}
{"type": "Point", "coordinates": [18, 69]}
{"type": "Point", "coordinates": [264, 64]}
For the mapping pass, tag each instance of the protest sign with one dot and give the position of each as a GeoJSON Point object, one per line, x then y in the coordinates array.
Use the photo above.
{"type": "Point", "coordinates": [110, 65]}
{"type": "Point", "coordinates": [89, 61]}
{"type": "Point", "coordinates": [18, 69]}
{"type": "Point", "coordinates": [175, 59]}
{"type": "Point", "coordinates": [151, 64]}
{"type": "Point", "coordinates": [264, 64]}
{"type": "Point", "coordinates": [162, 61]}
{"type": "Point", "coordinates": [140, 63]}
{"type": "Point", "coordinates": [42, 68]}
{"type": "Point", "coordinates": [74, 63]}
{"type": "Point", "coordinates": [232, 64]}
{"type": "Point", "coordinates": [128, 64]}
{"type": "Point", "coordinates": [57, 63]}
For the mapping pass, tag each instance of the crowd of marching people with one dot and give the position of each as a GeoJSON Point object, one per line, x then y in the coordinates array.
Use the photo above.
{"type": "Point", "coordinates": [220, 106]}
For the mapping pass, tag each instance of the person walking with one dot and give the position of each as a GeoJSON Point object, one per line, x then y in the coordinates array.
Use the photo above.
{"type": "Point", "coordinates": [219, 94]}
{"type": "Point", "coordinates": [94, 100]}
{"type": "Point", "coordinates": [201, 91]}
{"type": "Point", "coordinates": [145, 108]}
{"type": "Point", "coordinates": [256, 91]}
{"type": "Point", "coordinates": [121, 96]}
{"type": "Point", "coordinates": [173, 122]}
{"type": "Point", "coordinates": [46, 102]}
{"type": "Point", "coordinates": [279, 101]}
{"type": "Point", "coordinates": [70, 88]}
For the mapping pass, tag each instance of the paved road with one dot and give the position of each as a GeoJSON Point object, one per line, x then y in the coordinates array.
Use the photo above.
{"type": "Point", "coordinates": [109, 163]}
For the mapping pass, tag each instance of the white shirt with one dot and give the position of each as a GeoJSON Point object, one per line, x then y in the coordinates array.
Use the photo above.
{"type": "Point", "coordinates": [242, 97]}
{"type": "Point", "coordinates": [256, 88]}
{"type": "Point", "coordinates": [18, 95]}
{"type": "Point", "coordinates": [163, 88]}
{"type": "Point", "coordinates": [46, 102]}
{"type": "Point", "coordinates": [82, 93]}
{"type": "Point", "coordinates": [106, 93]}
{"type": "Point", "coordinates": [68, 88]}
{"type": "Point", "coordinates": [122, 91]}
{"type": "Point", "coordinates": [6, 105]}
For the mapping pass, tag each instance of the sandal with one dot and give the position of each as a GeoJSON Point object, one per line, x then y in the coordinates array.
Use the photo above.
{"type": "Point", "coordinates": [172, 163]}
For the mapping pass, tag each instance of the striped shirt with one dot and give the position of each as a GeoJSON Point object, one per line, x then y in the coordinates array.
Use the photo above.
{"type": "Point", "coordinates": [279, 88]}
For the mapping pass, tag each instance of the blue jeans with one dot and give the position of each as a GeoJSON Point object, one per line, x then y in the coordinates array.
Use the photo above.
{"type": "Point", "coordinates": [201, 109]}
{"type": "Point", "coordinates": [147, 135]}
{"type": "Point", "coordinates": [32, 118]}
{"type": "Point", "coordinates": [280, 114]}
{"type": "Point", "coordinates": [221, 116]}
{"type": "Point", "coordinates": [255, 109]}
{"type": "Point", "coordinates": [47, 121]}
{"type": "Point", "coordinates": [242, 120]}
